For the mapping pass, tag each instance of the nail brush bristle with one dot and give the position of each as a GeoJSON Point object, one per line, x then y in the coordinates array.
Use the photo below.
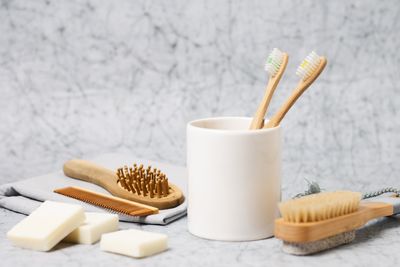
{"type": "Point", "coordinates": [321, 206]}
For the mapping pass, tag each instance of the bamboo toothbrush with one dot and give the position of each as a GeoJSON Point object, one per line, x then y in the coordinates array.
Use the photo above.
{"type": "Point", "coordinates": [325, 220]}
{"type": "Point", "coordinates": [309, 70]}
{"type": "Point", "coordinates": [275, 66]}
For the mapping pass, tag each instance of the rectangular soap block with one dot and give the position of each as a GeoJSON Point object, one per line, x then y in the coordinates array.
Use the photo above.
{"type": "Point", "coordinates": [46, 226]}
{"type": "Point", "coordinates": [134, 243]}
{"type": "Point", "coordinates": [94, 226]}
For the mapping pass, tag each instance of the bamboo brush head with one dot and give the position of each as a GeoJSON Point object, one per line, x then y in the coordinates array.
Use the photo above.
{"type": "Point", "coordinates": [321, 206]}
{"type": "Point", "coordinates": [309, 65]}
{"type": "Point", "coordinates": [145, 182]}
{"type": "Point", "coordinates": [274, 62]}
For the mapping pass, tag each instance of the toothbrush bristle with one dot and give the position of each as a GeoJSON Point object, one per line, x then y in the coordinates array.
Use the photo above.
{"type": "Point", "coordinates": [308, 66]}
{"type": "Point", "coordinates": [274, 62]}
{"type": "Point", "coordinates": [321, 206]}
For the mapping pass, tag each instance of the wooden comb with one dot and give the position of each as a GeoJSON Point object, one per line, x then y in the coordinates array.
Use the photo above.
{"type": "Point", "coordinates": [108, 202]}
{"type": "Point", "coordinates": [144, 185]}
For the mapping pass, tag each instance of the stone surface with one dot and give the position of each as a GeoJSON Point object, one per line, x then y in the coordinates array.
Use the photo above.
{"type": "Point", "coordinates": [87, 77]}
{"type": "Point", "coordinates": [377, 244]}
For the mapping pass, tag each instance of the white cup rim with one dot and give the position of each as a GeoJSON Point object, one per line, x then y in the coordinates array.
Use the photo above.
{"type": "Point", "coordinates": [192, 124]}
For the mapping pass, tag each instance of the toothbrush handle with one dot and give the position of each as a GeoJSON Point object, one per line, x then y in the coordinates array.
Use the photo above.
{"type": "Point", "coordinates": [280, 114]}
{"type": "Point", "coordinates": [300, 89]}
{"type": "Point", "coordinates": [258, 119]}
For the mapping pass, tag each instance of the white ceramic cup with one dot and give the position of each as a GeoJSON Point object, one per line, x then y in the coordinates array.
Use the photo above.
{"type": "Point", "coordinates": [234, 182]}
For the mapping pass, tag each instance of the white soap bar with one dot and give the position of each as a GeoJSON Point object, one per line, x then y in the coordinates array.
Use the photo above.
{"type": "Point", "coordinates": [94, 226]}
{"type": "Point", "coordinates": [46, 226]}
{"type": "Point", "coordinates": [134, 243]}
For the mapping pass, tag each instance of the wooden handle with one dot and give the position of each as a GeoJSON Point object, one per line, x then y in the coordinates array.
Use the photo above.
{"type": "Point", "coordinates": [258, 119]}
{"type": "Point", "coordinates": [300, 89]}
{"type": "Point", "coordinates": [92, 173]}
{"type": "Point", "coordinates": [107, 202]}
{"type": "Point", "coordinates": [308, 232]}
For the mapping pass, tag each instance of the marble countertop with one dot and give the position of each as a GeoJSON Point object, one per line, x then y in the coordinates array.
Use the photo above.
{"type": "Point", "coordinates": [375, 244]}
{"type": "Point", "coordinates": [86, 77]}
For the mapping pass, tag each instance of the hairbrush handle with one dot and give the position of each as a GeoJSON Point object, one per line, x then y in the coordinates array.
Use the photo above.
{"type": "Point", "coordinates": [95, 174]}
{"type": "Point", "coordinates": [90, 172]}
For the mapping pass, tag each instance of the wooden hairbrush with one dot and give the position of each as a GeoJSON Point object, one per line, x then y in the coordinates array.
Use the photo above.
{"type": "Point", "coordinates": [144, 185]}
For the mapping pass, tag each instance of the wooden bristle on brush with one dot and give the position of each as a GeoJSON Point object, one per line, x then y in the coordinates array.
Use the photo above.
{"type": "Point", "coordinates": [108, 202]}
{"type": "Point", "coordinates": [143, 181]}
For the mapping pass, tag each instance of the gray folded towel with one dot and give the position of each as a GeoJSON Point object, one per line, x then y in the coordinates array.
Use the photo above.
{"type": "Point", "coordinates": [26, 195]}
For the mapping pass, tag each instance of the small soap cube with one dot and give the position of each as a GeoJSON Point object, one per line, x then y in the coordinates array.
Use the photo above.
{"type": "Point", "coordinates": [134, 243]}
{"type": "Point", "coordinates": [94, 226]}
{"type": "Point", "coordinates": [46, 226]}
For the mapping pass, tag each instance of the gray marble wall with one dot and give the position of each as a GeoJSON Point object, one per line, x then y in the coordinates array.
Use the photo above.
{"type": "Point", "coordinates": [86, 77]}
